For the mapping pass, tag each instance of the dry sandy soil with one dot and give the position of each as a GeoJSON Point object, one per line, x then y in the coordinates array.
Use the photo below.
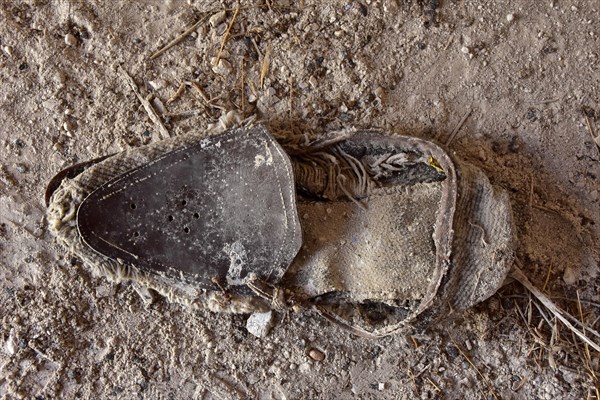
{"type": "Point", "coordinates": [513, 85]}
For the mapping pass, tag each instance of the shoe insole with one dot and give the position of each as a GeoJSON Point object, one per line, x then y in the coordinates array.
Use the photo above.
{"type": "Point", "coordinates": [383, 252]}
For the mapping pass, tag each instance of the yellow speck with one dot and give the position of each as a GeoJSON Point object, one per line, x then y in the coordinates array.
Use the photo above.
{"type": "Point", "coordinates": [435, 164]}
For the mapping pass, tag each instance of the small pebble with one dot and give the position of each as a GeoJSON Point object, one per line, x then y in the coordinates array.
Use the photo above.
{"type": "Point", "coordinates": [202, 30]}
{"type": "Point", "coordinates": [10, 344]}
{"type": "Point", "coordinates": [316, 355]}
{"type": "Point", "coordinates": [259, 324]}
{"type": "Point", "coordinates": [510, 17]}
{"type": "Point", "coordinates": [570, 276]}
{"type": "Point", "coordinates": [222, 68]}
{"type": "Point", "coordinates": [70, 39]}
{"type": "Point", "coordinates": [220, 30]}
{"type": "Point", "coordinates": [304, 368]}
{"type": "Point", "coordinates": [69, 126]}
{"type": "Point", "coordinates": [60, 77]}
{"type": "Point", "coordinates": [379, 92]}
{"type": "Point", "coordinates": [217, 18]}
{"type": "Point", "coordinates": [157, 84]}
{"type": "Point", "coordinates": [482, 155]}
{"type": "Point", "coordinates": [102, 291]}
{"type": "Point", "coordinates": [465, 50]}
{"type": "Point", "coordinates": [158, 105]}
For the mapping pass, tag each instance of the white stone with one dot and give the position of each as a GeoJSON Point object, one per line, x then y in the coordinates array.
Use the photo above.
{"type": "Point", "coordinates": [222, 68]}
{"type": "Point", "coordinates": [10, 344]}
{"type": "Point", "coordinates": [157, 84]}
{"type": "Point", "coordinates": [510, 17]}
{"type": "Point", "coordinates": [217, 18]}
{"type": "Point", "coordinates": [259, 324]}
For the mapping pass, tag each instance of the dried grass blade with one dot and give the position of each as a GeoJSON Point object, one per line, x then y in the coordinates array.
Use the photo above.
{"type": "Point", "coordinates": [518, 274]}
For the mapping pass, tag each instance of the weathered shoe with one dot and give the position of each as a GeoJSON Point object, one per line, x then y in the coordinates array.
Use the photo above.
{"type": "Point", "coordinates": [374, 232]}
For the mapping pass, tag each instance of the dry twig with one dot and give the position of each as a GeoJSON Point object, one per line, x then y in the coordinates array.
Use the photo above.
{"type": "Point", "coordinates": [458, 126]}
{"type": "Point", "coordinates": [518, 274]}
{"type": "Point", "coordinates": [164, 133]}
{"type": "Point", "coordinates": [185, 114]}
{"type": "Point", "coordinates": [548, 273]}
{"type": "Point", "coordinates": [481, 375]}
{"type": "Point", "coordinates": [264, 68]}
{"type": "Point", "coordinates": [243, 89]}
{"type": "Point", "coordinates": [586, 350]}
{"type": "Point", "coordinates": [595, 138]}
{"type": "Point", "coordinates": [291, 82]}
{"type": "Point", "coordinates": [226, 35]}
{"type": "Point", "coordinates": [177, 93]}
{"type": "Point", "coordinates": [415, 343]}
{"type": "Point", "coordinates": [437, 388]}
{"type": "Point", "coordinates": [182, 36]}
{"type": "Point", "coordinates": [199, 91]}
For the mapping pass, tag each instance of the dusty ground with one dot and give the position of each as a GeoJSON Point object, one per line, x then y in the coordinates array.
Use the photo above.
{"type": "Point", "coordinates": [514, 80]}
